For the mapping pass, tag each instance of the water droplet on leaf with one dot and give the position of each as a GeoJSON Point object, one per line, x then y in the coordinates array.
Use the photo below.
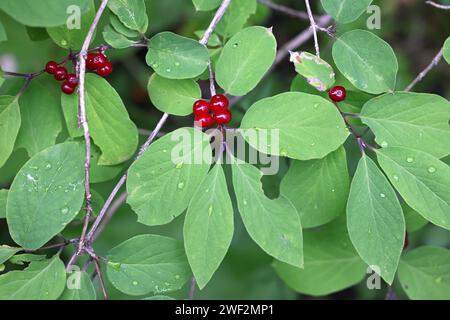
{"type": "Point", "coordinates": [431, 169]}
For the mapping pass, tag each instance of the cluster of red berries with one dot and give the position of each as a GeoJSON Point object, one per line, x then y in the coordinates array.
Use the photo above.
{"type": "Point", "coordinates": [337, 94]}
{"type": "Point", "coordinates": [95, 61]}
{"type": "Point", "coordinates": [215, 111]}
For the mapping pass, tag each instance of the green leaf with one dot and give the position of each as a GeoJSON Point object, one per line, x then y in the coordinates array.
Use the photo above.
{"type": "Point", "coordinates": [41, 122]}
{"type": "Point", "coordinates": [101, 173]}
{"type": "Point", "coordinates": [413, 120]}
{"type": "Point", "coordinates": [148, 263]}
{"type": "Point", "coordinates": [317, 72]}
{"type": "Point", "coordinates": [73, 38]}
{"type": "Point", "coordinates": [121, 28]}
{"type": "Point", "coordinates": [173, 96]}
{"type": "Point", "coordinates": [375, 219]}
{"type": "Point", "coordinates": [159, 298]}
{"type": "Point", "coordinates": [21, 259]}
{"type": "Point", "coordinates": [109, 123]}
{"type": "Point", "coordinates": [345, 11]}
{"type": "Point", "coordinates": [9, 126]}
{"type": "Point", "coordinates": [310, 127]}
{"type": "Point", "coordinates": [245, 59]}
{"type": "Point", "coordinates": [414, 221]}
{"type": "Point", "coordinates": [132, 13]}
{"type": "Point", "coordinates": [366, 60]}
{"type": "Point", "coordinates": [46, 194]}
{"type": "Point", "coordinates": [318, 188]}
{"type": "Point", "coordinates": [447, 50]}
{"type": "Point", "coordinates": [235, 17]}
{"type": "Point", "coordinates": [173, 166]}
{"type": "Point", "coordinates": [213, 41]}
{"type": "Point", "coordinates": [206, 5]}
{"type": "Point", "coordinates": [331, 262]}
{"type": "Point", "coordinates": [273, 224]}
{"type": "Point", "coordinates": [3, 35]}
{"type": "Point", "coordinates": [52, 13]}
{"type": "Point", "coordinates": [176, 57]}
{"type": "Point", "coordinates": [3, 198]}
{"type": "Point", "coordinates": [116, 39]}
{"type": "Point", "coordinates": [421, 179]}
{"type": "Point", "coordinates": [42, 280]}
{"type": "Point", "coordinates": [6, 252]}
{"type": "Point", "coordinates": [424, 273]}
{"type": "Point", "coordinates": [81, 287]}
{"type": "Point", "coordinates": [37, 34]}
{"type": "Point", "coordinates": [208, 226]}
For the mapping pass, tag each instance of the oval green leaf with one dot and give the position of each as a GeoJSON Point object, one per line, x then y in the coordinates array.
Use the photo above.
{"type": "Point", "coordinates": [132, 13]}
{"type": "Point", "coordinates": [79, 287]}
{"type": "Point", "coordinates": [317, 72]}
{"type": "Point", "coordinates": [10, 122]}
{"type": "Point", "coordinates": [345, 11]}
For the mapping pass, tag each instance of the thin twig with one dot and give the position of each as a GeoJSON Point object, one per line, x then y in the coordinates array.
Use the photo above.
{"type": "Point", "coordinates": [100, 278]}
{"type": "Point", "coordinates": [212, 87]}
{"type": "Point", "coordinates": [438, 5]}
{"type": "Point", "coordinates": [192, 288]}
{"type": "Point", "coordinates": [281, 8]}
{"type": "Point", "coordinates": [84, 121]}
{"type": "Point", "coordinates": [217, 17]}
{"type": "Point", "coordinates": [422, 74]}
{"type": "Point", "coordinates": [313, 26]}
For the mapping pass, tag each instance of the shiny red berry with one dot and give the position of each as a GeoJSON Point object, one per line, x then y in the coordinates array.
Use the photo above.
{"type": "Point", "coordinates": [96, 61]}
{"type": "Point", "coordinates": [50, 67]}
{"type": "Point", "coordinates": [222, 117]}
{"type": "Point", "coordinates": [105, 70]}
{"type": "Point", "coordinates": [406, 242]}
{"type": "Point", "coordinates": [204, 121]}
{"type": "Point", "coordinates": [67, 88]}
{"type": "Point", "coordinates": [337, 94]}
{"type": "Point", "coordinates": [219, 103]}
{"type": "Point", "coordinates": [60, 73]}
{"type": "Point", "coordinates": [201, 107]}
{"type": "Point", "coordinates": [72, 80]}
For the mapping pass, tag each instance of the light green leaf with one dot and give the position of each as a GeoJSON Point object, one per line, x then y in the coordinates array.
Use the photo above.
{"type": "Point", "coordinates": [236, 17]}
{"type": "Point", "coordinates": [52, 13]}
{"type": "Point", "coordinates": [273, 224]}
{"type": "Point", "coordinates": [162, 182]}
{"type": "Point", "coordinates": [447, 50]}
{"type": "Point", "coordinates": [309, 127]}
{"type": "Point", "coordinates": [414, 221]}
{"type": "Point", "coordinates": [421, 179]}
{"type": "Point", "coordinates": [366, 60]}
{"type": "Point", "coordinates": [121, 28]}
{"type": "Point", "coordinates": [3, 198]}
{"type": "Point", "coordinates": [318, 188]}
{"type": "Point", "coordinates": [331, 262]}
{"type": "Point", "coordinates": [245, 59]}
{"type": "Point", "coordinates": [317, 72]}
{"type": "Point", "coordinates": [9, 126]}
{"type": "Point", "coordinates": [70, 36]}
{"type": "Point", "coordinates": [46, 194]}
{"type": "Point", "coordinates": [424, 273]}
{"type": "Point", "coordinates": [41, 122]}
{"type": "Point", "coordinates": [42, 280]}
{"type": "Point", "coordinates": [21, 259]}
{"type": "Point", "coordinates": [208, 226]}
{"type": "Point", "coordinates": [413, 120]}
{"type": "Point", "coordinates": [132, 13]}
{"type": "Point", "coordinates": [6, 252]}
{"type": "Point", "coordinates": [116, 39]}
{"type": "Point", "coordinates": [109, 123]}
{"type": "Point", "coordinates": [375, 219]}
{"type": "Point", "coordinates": [206, 5]}
{"type": "Point", "coordinates": [345, 11]}
{"type": "Point", "coordinates": [173, 96]}
{"type": "Point", "coordinates": [148, 263]}
{"type": "Point", "coordinates": [81, 288]}
{"type": "Point", "coordinates": [3, 35]}
{"type": "Point", "coordinates": [213, 41]}
{"type": "Point", "coordinates": [176, 57]}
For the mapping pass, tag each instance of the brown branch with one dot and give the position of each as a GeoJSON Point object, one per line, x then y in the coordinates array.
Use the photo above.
{"type": "Point", "coordinates": [422, 74]}
{"type": "Point", "coordinates": [314, 27]}
{"type": "Point", "coordinates": [438, 5]}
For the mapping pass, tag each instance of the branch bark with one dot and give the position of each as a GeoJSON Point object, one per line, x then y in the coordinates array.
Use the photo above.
{"type": "Point", "coordinates": [422, 74]}
{"type": "Point", "coordinates": [438, 5]}
{"type": "Point", "coordinates": [314, 27]}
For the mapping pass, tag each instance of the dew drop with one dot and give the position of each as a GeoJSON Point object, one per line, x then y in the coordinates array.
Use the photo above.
{"type": "Point", "coordinates": [313, 144]}
{"type": "Point", "coordinates": [333, 190]}
{"type": "Point", "coordinates": [316, 106]}
{"type": "Point", "coordinates": [409, 159]}
{"type": "Point", "coordinates": [65, 210]}
{"type": "Point", "coordinates": [164, 151]}
{"type": "Point", "coordinates": [181, 185]}
{"type": "Point", "coordinates": [438, 280]}
{"type": "Point", "coordinates": [155, 65]}
{"type": "Point", "coordinates": [396, 178]}
{"type": "Point", "coordinates": [177, 276]}
{"type": "Point", "coordinates": [207, 190]}
{"type": "Point", "coordinates": [64, 42]}
{"type": "Point", "coordinates": [384, 144]}
{"type": "Point", "coordinates": [235, 45]}
{"type": "Point", "coordinates": [382, 195]}
{"type": "Point", "coordinates": [283, 152]}
{"type": "Point", "coordinates": [210, 210]}
{"type": "Point", "coordinates": [245, 202]}
{"type": "Point", "coordinates": [168, 70]}
{"type": "Point", "coordinates": [48, 166]}
{"type": "Point", "coordinates": [135, 283]}
{"type": "Point", "coordinates": [179, 165]}
{"type": "Point", "coordinates": [177, 64]}
{"type": "Point", "coordinates": [431, 169]}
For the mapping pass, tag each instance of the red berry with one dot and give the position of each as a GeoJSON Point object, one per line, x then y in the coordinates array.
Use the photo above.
{"type": "Point", "coordinates": [60, 73]}
{"type": "Point", "coordinates": [50, 67]}
{"type": "Point", "coordinates": [96, 61]}
{"type": "Point", "coordinates": [201, 107]}
{"type": "Point", "coordinates": [204, 121]}
{"type": "Point", "coordinates": [105, 70]}
{"type": "Point", "coordinates": [67, 88]}
{"type": "Point", "coordinates": [219, 103]}
{"type": "Point", "coordinates": [72, 80]}
{"type": "Point", "coordinates": [337, 94]}
{"type": "Point", "coordinates": [222, 117]}
{"type": "Point", "coordinates": [90, 61]}
{"type": "Point", "coordinates": [406, 242]}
